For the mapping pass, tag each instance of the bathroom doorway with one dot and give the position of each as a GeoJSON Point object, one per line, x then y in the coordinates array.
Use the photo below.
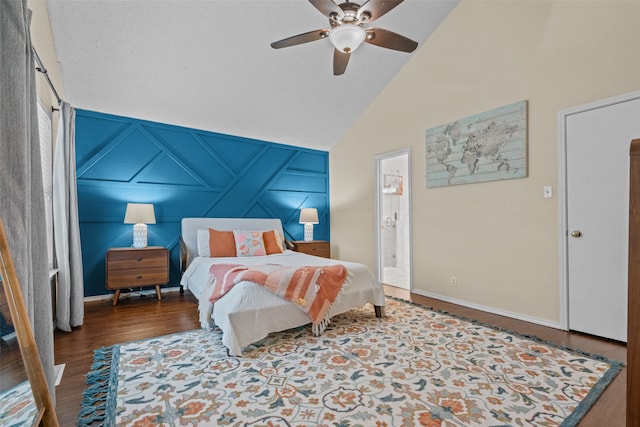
{"type": "Point", "coordinates": [394, 218]}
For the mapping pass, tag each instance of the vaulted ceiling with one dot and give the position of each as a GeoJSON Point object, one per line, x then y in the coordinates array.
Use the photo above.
{"type": "Point", "coordinates": [208, 64]}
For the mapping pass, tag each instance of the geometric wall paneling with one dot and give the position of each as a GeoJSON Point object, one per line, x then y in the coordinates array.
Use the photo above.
{"type": "Point", "coordinates": [315, 183]}
{"type": "Point", "coordinates": [309, 162]}
{"type": "Point", "coordinates": [185, 173]}
{"type": "Point", "coordinates": [120, 159]}
{"type": "Point", "coordinates": [232, 152]}
{"type": "Point", "coordinates": [101, 130]}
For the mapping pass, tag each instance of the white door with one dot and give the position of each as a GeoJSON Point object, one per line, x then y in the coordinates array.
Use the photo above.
{"type": "Point", "coordinates": [393, 219]}
{"type": "Point", "coordinates": [597, 215]}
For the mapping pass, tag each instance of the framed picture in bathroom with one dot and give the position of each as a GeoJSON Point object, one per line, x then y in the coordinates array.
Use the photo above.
{"type": "Point", "coordinates": [392, 184]}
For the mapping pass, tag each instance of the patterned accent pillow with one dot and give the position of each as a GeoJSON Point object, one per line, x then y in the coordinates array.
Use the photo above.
{"type": "Point", "coordinates": [249, 243]}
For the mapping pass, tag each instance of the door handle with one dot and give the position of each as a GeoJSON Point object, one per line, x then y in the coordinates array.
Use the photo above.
{"type": "Point", "coordinates": [576, 233]}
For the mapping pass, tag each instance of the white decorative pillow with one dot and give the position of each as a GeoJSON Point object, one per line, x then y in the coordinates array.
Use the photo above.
{"type": "Point", "coordinates": [249, 243]}
{"type": "Point", "coordinates": [203, 243]}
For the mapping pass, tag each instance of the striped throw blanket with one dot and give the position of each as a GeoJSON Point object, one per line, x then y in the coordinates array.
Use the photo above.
{"type": "Point", "coordinates": [313, 289]}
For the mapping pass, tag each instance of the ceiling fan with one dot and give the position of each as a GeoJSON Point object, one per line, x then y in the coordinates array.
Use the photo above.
{"type": "Point", "coordinates": [348, 30]}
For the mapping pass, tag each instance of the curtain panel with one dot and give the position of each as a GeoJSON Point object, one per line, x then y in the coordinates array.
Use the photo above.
{"type": "Point", "coordinates": [21, 189]}
{"type": "Point", "coordinates": [70, 299]}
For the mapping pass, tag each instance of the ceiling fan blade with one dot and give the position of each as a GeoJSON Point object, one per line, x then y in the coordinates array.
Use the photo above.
{"type": "Point", "coordinates": [340, 61]}
{"type": "Point", "coordinates": [376, 8]}
{"type": "Point", "coordinates": [311, 36]}
{"type": "Point", "coordinates": [390, 40]}
{"type": "Point", "coordinates": [327, 7]}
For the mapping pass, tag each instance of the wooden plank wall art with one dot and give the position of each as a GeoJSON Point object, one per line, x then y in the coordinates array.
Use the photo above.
{"type": "Point", "coordinates": [485, 147]}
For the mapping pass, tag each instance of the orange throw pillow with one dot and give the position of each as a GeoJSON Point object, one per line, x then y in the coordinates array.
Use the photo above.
{"type": "Point", "coordinates": [221, 243]}
{"type": "Point", "coordinates": [271, 242]}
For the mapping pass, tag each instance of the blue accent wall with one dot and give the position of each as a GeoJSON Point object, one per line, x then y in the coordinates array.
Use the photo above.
{"type": "Point", "coordinates": [185, 173]}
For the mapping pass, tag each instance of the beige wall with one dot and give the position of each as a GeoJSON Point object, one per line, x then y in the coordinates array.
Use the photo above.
{"type": "Point", "coordinates": [42, 40]}
{"type": "Point", "coordinates": [500, 239]}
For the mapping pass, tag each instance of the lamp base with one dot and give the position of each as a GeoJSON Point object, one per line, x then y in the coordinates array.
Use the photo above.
{"type": "Point", "coordinates": [308, 232]}
{"type": "Point", "coordinates": [140, 235]}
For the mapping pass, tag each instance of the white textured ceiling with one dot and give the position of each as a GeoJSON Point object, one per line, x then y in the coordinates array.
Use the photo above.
{"type": "Point", "coordinates": [208, 64]}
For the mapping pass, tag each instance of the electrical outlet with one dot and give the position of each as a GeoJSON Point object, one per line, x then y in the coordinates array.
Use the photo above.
{"type": "Point", "coordinates": [453, 281]}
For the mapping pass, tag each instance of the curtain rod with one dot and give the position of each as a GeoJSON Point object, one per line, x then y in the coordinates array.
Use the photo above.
{"type": "Point", "coordinates": [43, 70]}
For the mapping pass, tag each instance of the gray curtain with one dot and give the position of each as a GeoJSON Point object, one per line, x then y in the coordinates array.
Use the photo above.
{"type": "Point", "coordinates": [69, 303]}
{"type": "Point", "coordinates": [21, 191]}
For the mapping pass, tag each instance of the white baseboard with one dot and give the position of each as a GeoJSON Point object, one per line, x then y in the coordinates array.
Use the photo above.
{"type": "Point", "coordinates": [123, 295]}
{"type": "Point", "coordinates": [58, 371]}
{"type": "Point", "coordinates": [492, 310]}
{"type": "Point", "coordinates": [10, 336]}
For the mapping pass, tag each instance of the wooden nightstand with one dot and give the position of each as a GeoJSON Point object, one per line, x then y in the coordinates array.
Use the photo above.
{"type": "Point", "coordinates": [136, 267]}
{"type": "Point", "coordinates": [319, 248]}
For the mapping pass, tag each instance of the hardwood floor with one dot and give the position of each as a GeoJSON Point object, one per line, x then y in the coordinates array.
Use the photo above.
{"type": "Point", "coordinates": [143, 317]}
{"type": "Point", "coordinates": [104, 325]}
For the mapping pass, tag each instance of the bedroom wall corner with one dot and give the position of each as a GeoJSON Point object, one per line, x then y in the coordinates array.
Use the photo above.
{"type": "Point", "coordinates": [42, 40]}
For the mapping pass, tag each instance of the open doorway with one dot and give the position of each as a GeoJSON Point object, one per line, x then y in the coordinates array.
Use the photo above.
{"type": "Point", "coordinates": [394, 218]}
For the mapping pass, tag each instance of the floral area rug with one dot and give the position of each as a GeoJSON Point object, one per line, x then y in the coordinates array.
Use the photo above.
{"type": "Point", "coordinates": [415, 367]}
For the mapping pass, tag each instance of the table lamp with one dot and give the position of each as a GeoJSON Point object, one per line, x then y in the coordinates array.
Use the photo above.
{"type": "Point", "coordinates": [139, 214]}
{"type": "Point", "coordinates": [308, 217]}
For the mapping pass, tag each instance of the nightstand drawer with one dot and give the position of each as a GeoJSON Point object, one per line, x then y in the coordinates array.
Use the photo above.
{"type": "Point", "coordinates": [319, 248]}
{"type": "Point", "coordinates": [134, 278]}
{"type": "Point", "coordinates": [122, 260]}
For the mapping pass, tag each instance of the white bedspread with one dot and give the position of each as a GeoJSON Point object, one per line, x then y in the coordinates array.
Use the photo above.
{"type": "Point", "coordinates": [249, 312]}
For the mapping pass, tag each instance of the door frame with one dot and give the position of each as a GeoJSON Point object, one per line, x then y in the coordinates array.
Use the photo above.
{"type": "Point", "coordinates": [378, 191]}
{"type": "Point", "coordinates": [562, 193]}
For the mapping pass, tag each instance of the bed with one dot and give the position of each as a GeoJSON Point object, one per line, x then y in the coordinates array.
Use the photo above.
{"type": "Point", "coordinates": [248, 312]}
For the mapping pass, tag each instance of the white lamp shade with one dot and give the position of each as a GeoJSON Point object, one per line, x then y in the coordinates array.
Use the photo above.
{"type": "Point", "coordinates": [139, 213]}
{"type": "Point", "coordinates": [347, 37]}
{"type": "Point", "coordinates": [308, 216]}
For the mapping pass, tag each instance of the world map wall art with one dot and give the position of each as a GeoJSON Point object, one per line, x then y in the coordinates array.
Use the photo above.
{"type": "Point", "coordinates": [488, 146]}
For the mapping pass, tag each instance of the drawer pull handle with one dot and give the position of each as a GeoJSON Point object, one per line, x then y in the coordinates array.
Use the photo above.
{"type": "Point", "coordinates": [139, 259]}
{"type": "Point", "coordinates": [138, 277]}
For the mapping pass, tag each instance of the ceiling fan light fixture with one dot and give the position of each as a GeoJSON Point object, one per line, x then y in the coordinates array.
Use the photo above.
{"type": "Point", "coordinates": [347, 37]}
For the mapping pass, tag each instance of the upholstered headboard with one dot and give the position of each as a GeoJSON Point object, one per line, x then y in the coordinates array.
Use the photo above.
{"type": "Point", "coordinates": [190, 227]}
